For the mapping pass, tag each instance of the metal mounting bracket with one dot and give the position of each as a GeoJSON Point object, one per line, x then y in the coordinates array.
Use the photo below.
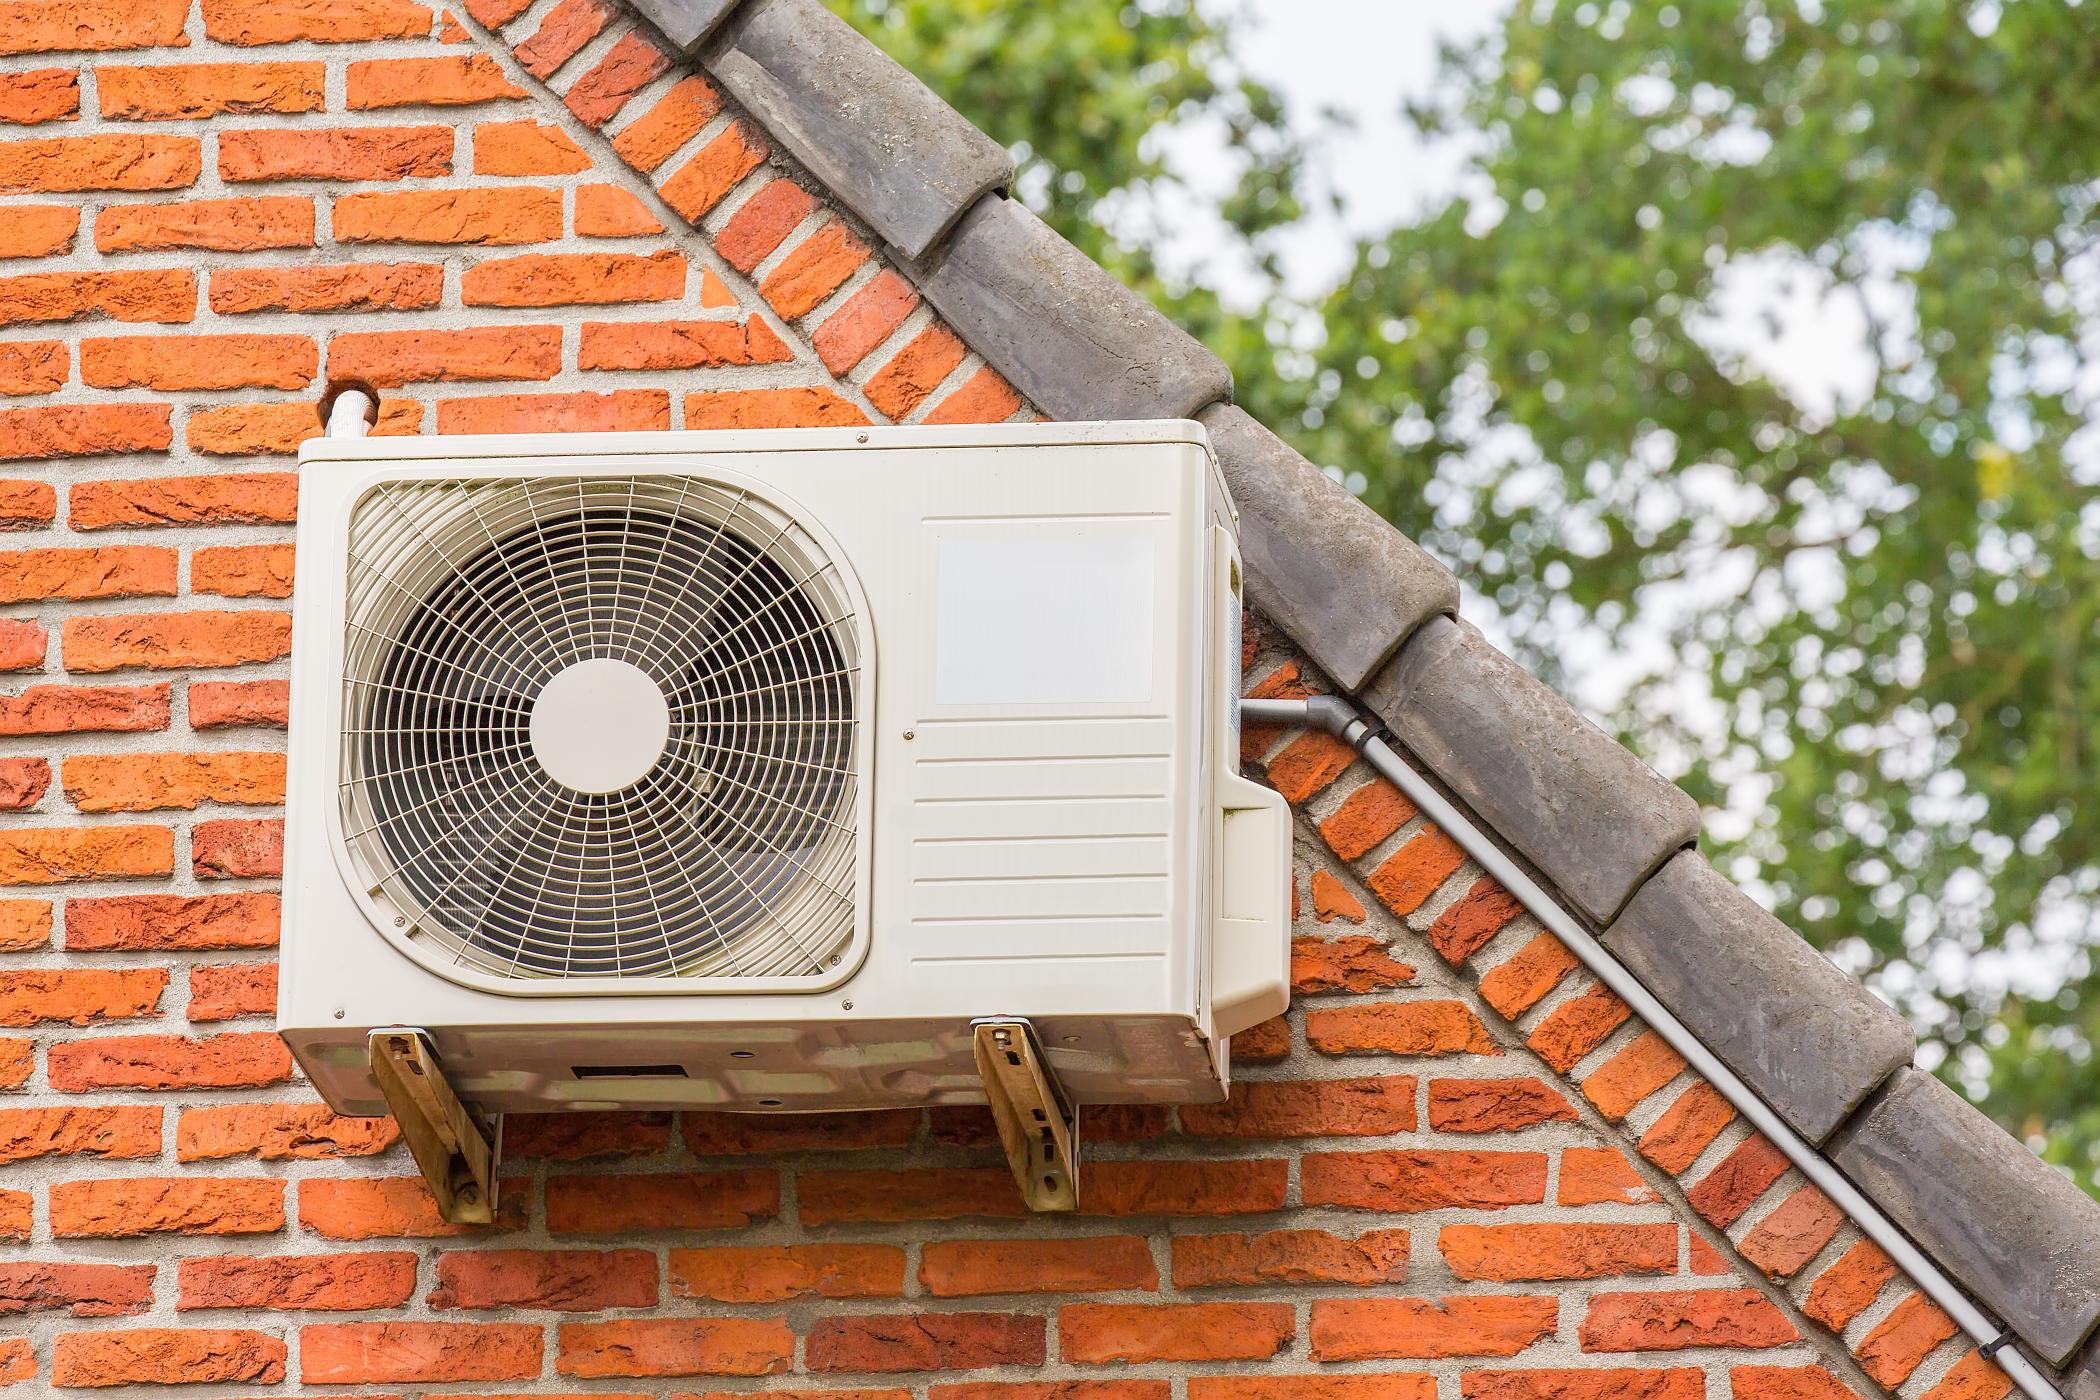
{"type": "Point", "coordinates": [1037, 1126]}
{"type": "Point", "coordinates": [456, 1153]}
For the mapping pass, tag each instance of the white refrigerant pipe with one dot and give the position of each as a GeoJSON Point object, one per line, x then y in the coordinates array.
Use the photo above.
{"type": "Point", "coordinates": [350, 414]}
{"type": "Point", "coordinates": [1340, 718]}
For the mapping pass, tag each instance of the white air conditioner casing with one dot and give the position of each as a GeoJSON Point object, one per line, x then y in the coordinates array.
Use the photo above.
{"type": "Point", "coordinates": [1026, 800]}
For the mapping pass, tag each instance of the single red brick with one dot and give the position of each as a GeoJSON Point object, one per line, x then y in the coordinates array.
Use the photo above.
{"type": "Point", "coordinates": [1787, 1383]}
{"type": "Point", "coordinates": [187, 1205]}
{"type": "Point", "coordinates": [1588, 1384]}
{"type": "Point", "coordinates": [1241, 1186]}
{"type": "Point", "coordinates": [243, 571]}
{"type": "Point", "coordinates": [1531, 1253]}
{"type": "Point", "coordinates": [232, 990]}
{"type": "Point", "coordinates": [526, 148]}
{"type": "Point", "coordinates": [820, 264]}
{"type": "Point", "coordinates": [564, 1280]}
{"type": "Point", "coordinates": [651, 139]}
{"type": "Point", "coordinates": [82, 996]}
{"type": "Point", "coordinates": [166, 1356]}
{"type": "Point", "coordinates": [297, 1282]}
{"type": "Point", "coordinates": [22, 645]}
{"type": "Point", "coordinates": [1495, 1105]}
{"type": "Point", "coordinates": [700, 184]}
{"type": "Point", "coordinates": [1406, 1180]}
{"type": "Point", "coordinates": [463, 80]}
{"type": "Point", "coordinates": [23, 783]}
{"type": "Point", "coordinates": [1097, 1333]}
{"type": "Point", "coordinates": [116, 161]}
{"type": "Point", "coordinates": [199, 362]}
{"type": "Point", "coordinates": [1362, 1329]}
{"type": "Point", "coordinates": [109, 1132]}
{"type": "Point", "coordinates": [237, 1060]}
{"type": "Point", "coordinates": [161, 294]}
{"type": "Point", "coordinates": [866, 320]}
{"type": "Point", "coordinates": [1734, 1184]}
{"type": "Point", "coordinates": [1645, 1065]}
{"type": "Point", "coordinates": [683, 1346]}
{"type": "Point", "coordinates": [1683, 1318]}
{"type": "Point", "coordinates": [225, 498]}
{"type": "Point", "coordinates": [1694, 1119]}
{"type": "Point", "coordinates": [1307, 1108]}
{"type": "Point", "coordinates": [625, 410]}
{"type": "Point", "coordinates": [1848, 1287]}
{"type": "Point", "coordinates": [912, 375]}
{"type": "Point", "coordinates": [776, 1273]}
{"type": "Point", "coordinates": [1081, 1264]}
{"type": "Point", "coordinates": [1352, 963]}
{"type": "Point", "coordinates": [629, 65]}
{"type": "Point", "coordinates": [1411, 874]}
{"type": "Point", "coordinates": [589, 1205]}
{"type": "Point", "coordinates": [221, 704]}
{"type": "Point", "coordinates": [1399, 1028]}
{"type": "Point", "coordinates": [84, 430]}
{"type": "Point", "coordinates": [320, 21]}
{"type": "Point", "coordinates": [337, 287]}
{"type": "Point", "coordinates": [494, 216]}
{"type": "Point", "coordinates": [131, 571]}
{"type": "Point", "coordinates": [984, 397]}
{"type": "Point", "coordinates": [186, 91]}
{"type": "Point", "coordinates": [149, 782]}
{"type": "Point", "coordinates": [950, 1193]}
{"type": "Point", "coordinates": [1600, 1175]}
{"type": "Point", "coordinates": [1267, 1043]}
{"type": "Point", "coordinates": [678, 344]}
{"type": "Point", "coordinates": [1366, 817]}
{"type": "Point", "coordinates": [345, 153]}
{"type": "Point", "coordinates": [40, 95]}
{"type": "Point", "coordinates": [278, 1132]}
{"type": "Point", "coordinates": [1520, 983]}
{"type": "Point", "coordinates": [38, 230]}
{"type": "Point", "coordinates": [77, 709]}
{"type": "Point", "coordinates": [924, 1342]}
{"type": "Point", "coordinates": [31, 367]}
{"type": "Point", "coordinates": [24, 924]}
{"type": "Point", "coordinates": [1464, 928]}
{"type": "Point", "coordinates": [358, 1353]}
{"type": "Point", "coordinates": [574, 279]}
{"type": "Point", "coordinates": [1290, 1256]}
{"type": "Point", "coordinates": [84, 1290]}
{"type": "Point", "coordinates": [152, 921]}
{"type": "Point", "coordinates": [1899, 1344]}
{"type": "Point", "coordinates": [49, 855]}
{"type": "Point", "coordinates": [814, 407]}
{"type": "Point", "coordinates": [221, 225]}
{"type": "Point", "coordinates": [387, 358]}
{"type": "Point", "coordinates": [567, 28]}
{"type": "Point", "coordinates": [1401, 1385]}
{"type": "Point", "coordinates": [1577, 1026]}
{"type": "Point", "coordinates": [762, 222]}
{"type": "Point", "coordinates": [607, 211]}
{"type": "Point", "coordinates": [1974, 1377]}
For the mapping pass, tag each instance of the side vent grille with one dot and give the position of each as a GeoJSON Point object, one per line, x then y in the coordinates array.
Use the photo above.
{"type": "Point", "coordinates": [601, 728]}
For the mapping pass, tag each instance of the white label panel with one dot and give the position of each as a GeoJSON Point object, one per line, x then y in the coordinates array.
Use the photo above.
{"type": "Point", "coordinates": [1044, 619]}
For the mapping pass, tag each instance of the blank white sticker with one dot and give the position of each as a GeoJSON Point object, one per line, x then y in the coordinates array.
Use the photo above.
{"type": "Point", "coordinates": [1044, 619]}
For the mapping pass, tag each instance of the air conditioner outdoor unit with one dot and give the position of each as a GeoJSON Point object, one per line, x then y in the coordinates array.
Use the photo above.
{"type": "Point", "coordinates": [771, 771]}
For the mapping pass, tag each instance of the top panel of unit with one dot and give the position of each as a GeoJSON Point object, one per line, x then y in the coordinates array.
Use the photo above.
{"type": "Point", "coordinates": [765, 440]}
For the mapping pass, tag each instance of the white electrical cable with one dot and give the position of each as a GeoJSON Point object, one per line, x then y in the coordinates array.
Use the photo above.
{"type": "Point", "coordinates": [1341, 719]}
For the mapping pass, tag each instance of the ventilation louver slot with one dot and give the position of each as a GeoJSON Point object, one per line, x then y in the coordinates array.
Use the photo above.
{"type": "Point", "coordinates": [601, 728]}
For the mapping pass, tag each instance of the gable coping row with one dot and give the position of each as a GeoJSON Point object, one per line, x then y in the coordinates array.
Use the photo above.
{"type": "Point", "coordinates": [1377, 615]}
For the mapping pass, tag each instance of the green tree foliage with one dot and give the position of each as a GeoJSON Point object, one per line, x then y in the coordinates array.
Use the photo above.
{"type": "Point", "coordinates": [1873, 615]}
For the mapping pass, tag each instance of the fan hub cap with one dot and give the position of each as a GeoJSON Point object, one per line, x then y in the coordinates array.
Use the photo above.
{"type": "Point", "coordinates": [599, 726]}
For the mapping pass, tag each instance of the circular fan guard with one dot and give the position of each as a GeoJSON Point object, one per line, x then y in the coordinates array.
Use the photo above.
{"type": "Point", "coordinates": [733, 857]}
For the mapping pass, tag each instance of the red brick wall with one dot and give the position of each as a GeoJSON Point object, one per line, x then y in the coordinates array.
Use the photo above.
{"type": "Point", "coordinates": [210, 207]}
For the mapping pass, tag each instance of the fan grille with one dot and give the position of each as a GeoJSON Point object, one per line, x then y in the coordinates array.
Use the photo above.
{"type": "Point", "coordinates": [733, 857]}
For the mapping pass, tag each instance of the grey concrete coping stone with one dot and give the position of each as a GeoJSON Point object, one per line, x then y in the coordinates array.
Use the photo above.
{"type": "Point", "coordinates": [1811, 1041]}
{"type": "Point", "coordinates": [1591, 817]}
{"type": "Point", "coordinates": [1321, 564]}
{"type": "Point", "coordinates": [898, 156]}
{"type": "Point", "coordinates": [2081, 1381]}
{"type": "Point", "coordinates": [686, 23]}
{"type": "Point", "coordinates": [2011, 1229]}
{"type": "Point", "coordinates": [1076, 341]}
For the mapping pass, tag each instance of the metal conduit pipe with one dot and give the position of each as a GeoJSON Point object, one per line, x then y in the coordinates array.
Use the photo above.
{"type": "Point", "coordinates": [1338, 717]}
